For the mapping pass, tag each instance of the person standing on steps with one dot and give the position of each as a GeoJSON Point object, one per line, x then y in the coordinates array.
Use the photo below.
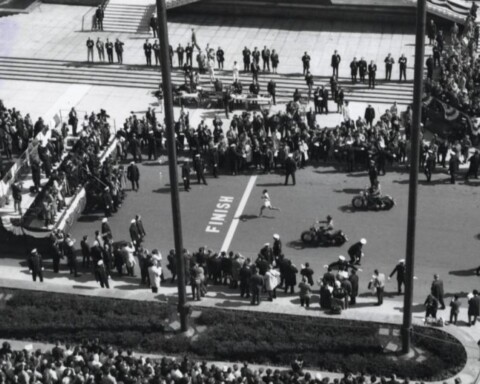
{"type": "Point", "coordinates": [154, 25]}
{"type": "Point", "coordinates": [99, 15]}
{"type": "Point", "coordinates": [100, 50]}
{"type": "Point", "coordinates": [271, 88]}
{"type": "Point", "coordinates": [372, 73]}
{"type": "Point", "coordinates": [306, 63]}
{"type": "Point", "coordinates": [402, 62]}
{"type": "Point", "coordinates": [220, 57]}
{"type": "Point", "coordinates": [156, 52]}
{"type": "Point", "coordinates": [180, 54]}
{"type": "Point", "coordinates": [109, 47]}
{"type": "Point", "coordinates": [90, 45]}
{"type": "Point", "coordinates": [389, 61]}
{"type": "Point", "coordinates": [275, 60]}
{"type": "Point", "coordinates": [194, 40]}
{"type": "Point", "coordinates": [147, 48]}
{"type": "Point", "coordinates": [119, 50]}
{"type": "Point", "coordinates": [335, 63]}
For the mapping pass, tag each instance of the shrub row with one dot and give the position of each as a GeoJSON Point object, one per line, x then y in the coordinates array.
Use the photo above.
{"type": "Point", "coordinates": [325, 344]}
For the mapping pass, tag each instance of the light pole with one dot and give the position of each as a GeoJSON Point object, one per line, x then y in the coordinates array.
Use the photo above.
{"type": "Point", "coordinates": [414, 164]}
{"type": "Point", "coordinates": [172, 159]}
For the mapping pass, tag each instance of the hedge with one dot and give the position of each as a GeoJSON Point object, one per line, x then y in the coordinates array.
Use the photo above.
{"type": "Point", "coordinates": [326, 344]}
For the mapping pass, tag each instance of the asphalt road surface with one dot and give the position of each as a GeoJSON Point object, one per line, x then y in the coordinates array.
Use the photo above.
{"type": "Point", "coordinates": [447, 229]}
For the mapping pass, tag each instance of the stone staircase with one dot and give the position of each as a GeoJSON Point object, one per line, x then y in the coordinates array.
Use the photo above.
{"type": "Point", "coordinates": [139, 76]}
{"type": "Point", "coordinates": [133, 16]}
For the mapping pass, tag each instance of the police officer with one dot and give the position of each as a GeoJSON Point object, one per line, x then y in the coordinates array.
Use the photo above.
{"type": "Point", "coordinates": [355, 251]}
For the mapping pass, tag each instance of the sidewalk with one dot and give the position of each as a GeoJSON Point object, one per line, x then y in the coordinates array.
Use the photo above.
{"type": "Point", "coordinates": [221, 297]}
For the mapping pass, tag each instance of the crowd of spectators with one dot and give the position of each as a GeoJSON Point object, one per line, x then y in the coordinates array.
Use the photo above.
{"type": "Point", "coordinates": [453, 69]}
{"type": "Point", "coordinates": [92, 362]}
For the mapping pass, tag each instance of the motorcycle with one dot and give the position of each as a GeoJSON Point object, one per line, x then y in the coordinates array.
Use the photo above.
{"type": "Point", "coordinates": [384, 203]}
{"type": "Point", "coordinates": [318, 236]}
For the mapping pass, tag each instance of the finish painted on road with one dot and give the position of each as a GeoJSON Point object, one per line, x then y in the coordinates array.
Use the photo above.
{"type": "Point", "coordinates": [238, 213]}
{"type": "Point", "coordinates": [219, 214]}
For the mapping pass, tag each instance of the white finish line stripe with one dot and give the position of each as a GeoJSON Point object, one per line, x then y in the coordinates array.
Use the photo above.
{"type": "Point", "coordinates": [238, 213]}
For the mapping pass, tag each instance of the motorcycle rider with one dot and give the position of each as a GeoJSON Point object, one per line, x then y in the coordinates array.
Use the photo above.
{"type": "Point", "coordinates": [328, 228]}
{"type": "Point", "coordinates": [374, 194]}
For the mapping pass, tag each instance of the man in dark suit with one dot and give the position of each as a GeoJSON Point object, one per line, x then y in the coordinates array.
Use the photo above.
{"type": "Point", "coordinates": [362, 69]}
{"type": "Point", "coordinates": [271, 88]}
{"type": "Point", "coordinates": [180, 54]}
{"type": "Point", "coordinates": [354, 70]}
{"type": "Point", "coordinates": [306, 62]}
{"type": "Point", "coordinates": [35, 265]}
{"type": "Point", "coordinates": [353, 278]}
{"type": "Point", "coordinates": [134, 234]}
{"type": "Point", "coordinates": [255, 69]}
{"type": "Point", "coordinates": [400, 270]}
{"type": "Point", "coordinates": [147, 48]}
{"type": "Point", "coordinates": [256, 284]}
{"type": "Point", "coordinates": [100, 14]}
{"type": "Point", "coordinates": [335, 63]}
{"type": "Point", "coordinates": [189, 54]}
{"type": "Point", "coordinates": [266, 58]}
{"type": "Point", "coordinates": [290, 168]}
{"type": "Point", "coordinates": [109, 48]}
{"type": "Point", "coordinates": [369, 115]}
{"type": "Point", "coordinates": [324, 102]}
{"type": "Point", "coordinates": [473, 308]}
{"type": "Point", "coordinates": [437, 290]}
{"type": "Point", "coordinates": [372, 73]}
{"type": "Point", "coordinates": [389, 61]}
{"type": "Point", "coordinates": [220, 57]}
{"type": "Point", "coordinates": [199, 166]}
{"type": "Point", "coordinates": [453, 166]}
{"type": "Point", "coordinates": [86, 252]}
{"type": "Point", "coordinates": [133, 174]}
{"type": "Point", "coordinates": [154, 25]}
{"type": "Point", "coordinates": [246, 59]}
{"type": "Point", "coordinates": [140, 227]}
{"type": "Point", "coordinates": [119, 50]}
{"type": "Point", "coordinates": [402, 62]}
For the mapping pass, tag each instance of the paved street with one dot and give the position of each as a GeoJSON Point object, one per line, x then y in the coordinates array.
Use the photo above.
{"type": "Point", "coordinates": [448, 234]}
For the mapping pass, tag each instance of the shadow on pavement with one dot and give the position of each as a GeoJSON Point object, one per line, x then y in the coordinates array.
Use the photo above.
{"type": "Point", "coordinates": [270, 184]}
{"type": "Point", "coordinates": [463, 272]}
{"type": "Point", "coordinates": [350, 191]}
{"type": "Point", "coordinates": [347, 209]}
{"type": "Point", "coordinates": [247, 217]}
{"type": "Point", "coordinates": [416, 308]}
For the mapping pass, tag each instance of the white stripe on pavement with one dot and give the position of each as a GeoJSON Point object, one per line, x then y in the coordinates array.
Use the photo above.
{"type": "Point", "coordinates": [238, 213]}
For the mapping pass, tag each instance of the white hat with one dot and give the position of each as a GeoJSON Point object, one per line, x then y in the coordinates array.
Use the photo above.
{"type": "Point", "coordinates": [290, 155]}
{"type": "Point", "coordinates": [132, 221]}
{"type": "Point", "coordinates": [341, 257]}
{"type": "Point", "coordinates": [401, 261]}
{"type": "Point", "coordinates": [276, 236]}
{"type": "Point", "coordinates": [34, 250]}
{"type": "Point", "coordinates": [70, 242]}
{"type": "Point", "coordinates": [95, 243]}
{"type": "Point", "coordinates": [343, 274]}
{"type": "Point", "coordinates": [337, 283]}
{"type": "Point", "coordinates": [266, 244]}
{"type": "Point", "coordinates": [104, 220]}
{"type": "Point", "coordinates": [363, 241]}
{"type": "Point", "coordinates": [318, 377]}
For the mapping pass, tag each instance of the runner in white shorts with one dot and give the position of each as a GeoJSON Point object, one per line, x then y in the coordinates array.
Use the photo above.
{"type": "Point", "coordinates": [266, 203]}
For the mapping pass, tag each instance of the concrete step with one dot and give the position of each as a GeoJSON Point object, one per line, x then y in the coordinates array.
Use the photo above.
{"type": "Point", "coordinates": [141, 77]}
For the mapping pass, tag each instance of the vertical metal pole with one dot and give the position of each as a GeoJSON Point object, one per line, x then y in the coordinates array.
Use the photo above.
{"type": "Point", "coordinates": [172, 158]}
{"type": "Point", "coordinates": [414, 165]}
